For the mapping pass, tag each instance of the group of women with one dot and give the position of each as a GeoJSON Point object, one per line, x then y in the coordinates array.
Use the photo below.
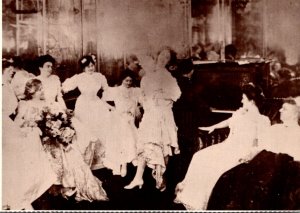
{"type": "Point", "coordinates": [106, 135]}
{"type": "Point", "coordinates": [250, 133]}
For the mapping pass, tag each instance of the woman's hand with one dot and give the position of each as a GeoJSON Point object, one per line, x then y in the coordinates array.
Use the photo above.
{"type": "Point", "coordinates": [210, 129]}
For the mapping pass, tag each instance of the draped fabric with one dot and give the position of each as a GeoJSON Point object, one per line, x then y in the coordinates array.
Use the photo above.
{"type": "Point", "coordinates": [27, 173]}
{"type": "Point", "coordinates": [122, 140]}
{"type": "Point", "coordinates": [91, 112]}
{"type": "Point", "coordinates": [158, 132]}
{"type": "Point", "coordinates": [209, 164]}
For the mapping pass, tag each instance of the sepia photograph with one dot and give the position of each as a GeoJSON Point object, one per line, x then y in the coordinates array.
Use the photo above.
{"type": "Point", "coordinates": [151, 105]}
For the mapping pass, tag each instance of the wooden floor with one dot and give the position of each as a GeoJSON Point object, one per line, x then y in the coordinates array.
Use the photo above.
{"type": "Point", "coordinates": [147, 198]}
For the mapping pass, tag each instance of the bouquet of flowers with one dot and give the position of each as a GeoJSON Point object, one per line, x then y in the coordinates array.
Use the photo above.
{"type": "Point", "coordinates": [55, 125]}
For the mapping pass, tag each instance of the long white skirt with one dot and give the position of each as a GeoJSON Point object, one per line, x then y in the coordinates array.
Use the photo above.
{"type": "Point", "coordinates": [121, 143]}
{"type": "Point", "coordinates": [27, 173]}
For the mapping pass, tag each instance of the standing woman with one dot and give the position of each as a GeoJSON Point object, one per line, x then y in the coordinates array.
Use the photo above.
{"type": "Point", "coordinates": [157, 132]}
{"type": "Point", "coordinates": [121, 147]}
{"type": "Point", "coordinates": [91, 113]}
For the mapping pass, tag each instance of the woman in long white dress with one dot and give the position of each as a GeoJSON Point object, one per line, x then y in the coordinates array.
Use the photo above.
{"type": "Point", "coordinates": [76, 174]}
{"type": "Point", "coordinates": [26, 170]}
{"type": "Point", "coordinates": [52, 94]}
{"type": "Point", "coordinates": [157, 134]}
{"type": "Point", "coordinates": [121, 145]}
{"type": "Point", "coordinates": [92, 112]}
{"type": "Point", "coordinates": [207, 165]}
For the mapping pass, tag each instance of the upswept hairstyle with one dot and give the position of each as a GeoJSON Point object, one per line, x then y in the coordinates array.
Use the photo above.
{"type": "Point", "coordinates": [85, 61]}
{"type": "Point", "coordinates": [31, 87]}
{"type": "Point", "coordinates": [45, 58]}
{"type": "Point", "coordinates": [254, 93]}
{"type": "Point", "coordinates": [126, 74]}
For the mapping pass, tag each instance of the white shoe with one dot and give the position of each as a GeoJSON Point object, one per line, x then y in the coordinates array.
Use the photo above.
{"type": "Point", "coordinates": [134, 184]}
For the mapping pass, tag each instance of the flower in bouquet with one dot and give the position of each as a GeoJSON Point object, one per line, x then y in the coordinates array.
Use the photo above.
{"type": "Point", "coordinates": [56, 125]}
{"type": "Point", "coordinates": [67, 134]}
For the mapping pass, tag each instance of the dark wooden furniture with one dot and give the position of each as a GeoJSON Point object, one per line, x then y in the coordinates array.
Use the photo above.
{"type": "Point", "coordinates": [221, 85]}
{"type": "Point", "coordinates": [222, 82]}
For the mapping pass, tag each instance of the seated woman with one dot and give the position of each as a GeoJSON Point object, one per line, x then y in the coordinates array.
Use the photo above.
{"type": "Point", "coordinates": [90, 111]}
{"type": "Point", "coordinates": [76, 173]}
{"type": "Point", "coordinates": [207, 165]}
{"type": "Point", "coordinates": [122, 142]}
{"type": "Point", "coordinates": [272, 179]}
{"type": "Point", "coordinates": [20, 78]}
{"type": "Point", "coordinates": [27, 173]}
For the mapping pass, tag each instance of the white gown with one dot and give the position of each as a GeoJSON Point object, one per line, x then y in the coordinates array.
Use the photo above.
{"type": "Point", "coordinates": [121, 143]}
{"type": "Point", "coordinates": [91, 112]}
{"type": "Point", "coordinates": [53, 95]}
{"type": "Point", "coordinates": [26, 173]}
{"type": "Point", "coordinates": [157, 132]}
{"type": "Point", "coordinates": [209, 164]}
{"type": "Point", "coordinates": [280, 138]}
{"type": "Point", "coordinates": [74, 173]}
{"type": "Point", "coordinates": [52, 89]}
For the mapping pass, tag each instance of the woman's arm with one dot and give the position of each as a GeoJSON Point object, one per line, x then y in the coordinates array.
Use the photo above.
{"type": "Point", "coordinates": [69, 84]}
{"type": "Point", "coordinates": [219, 125]}
{"type": "Point", "coordinates": [19, 119]}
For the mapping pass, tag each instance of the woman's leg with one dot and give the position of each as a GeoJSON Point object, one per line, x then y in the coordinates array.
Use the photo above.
{"type": "Point", "coordinates": [138, 178]}
{"type": "Point", "coordinates": [159, 177]}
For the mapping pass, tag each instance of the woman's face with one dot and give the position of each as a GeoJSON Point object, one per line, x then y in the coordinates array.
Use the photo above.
{"type": "Point", "coordinates": [39, 94]}
{"type": "Point", "coordinates": [127, 82]}
{"type": "Point", "coordinates": [246, 102]}
{"type": "Point", "coordinates": [288, 112]}
{"type": "Point", "coordinates": [90, 68]}
{"type": "Point", "coordinates": [8, 73]}
{"type": "Point", "coordinates": [164, 58]}
{"type": "Point", "coordinates": [46, 70]}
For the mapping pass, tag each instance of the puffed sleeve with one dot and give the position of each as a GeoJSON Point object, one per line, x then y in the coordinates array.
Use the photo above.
{"type": "Point", "coordinates": [171, 89]}
{"type": "Point", "coordinates": [70, 83]}
{"type": "Point", "coordinates": [174, 91]}
{"type": "Point", "coordinates": [103, 81]}
{"type": "Point", "coordinates": [109, 94]}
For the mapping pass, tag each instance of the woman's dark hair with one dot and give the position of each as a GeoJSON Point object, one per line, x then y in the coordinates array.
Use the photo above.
{"type": "Point", "coordinates": [18, 62]}
{"type": "Point", "coordinates": [127, 73]}
{"type": "Point", "coordinates": [85, 61]}
{"type": "Point", "coordinates": [6, 63]}
{"type": "Point", "coordinates": [31, 87]}
{"type": "Point", "coordinates": [45, 58]}
{"type": "Point", "coordinates": [254, 93]}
